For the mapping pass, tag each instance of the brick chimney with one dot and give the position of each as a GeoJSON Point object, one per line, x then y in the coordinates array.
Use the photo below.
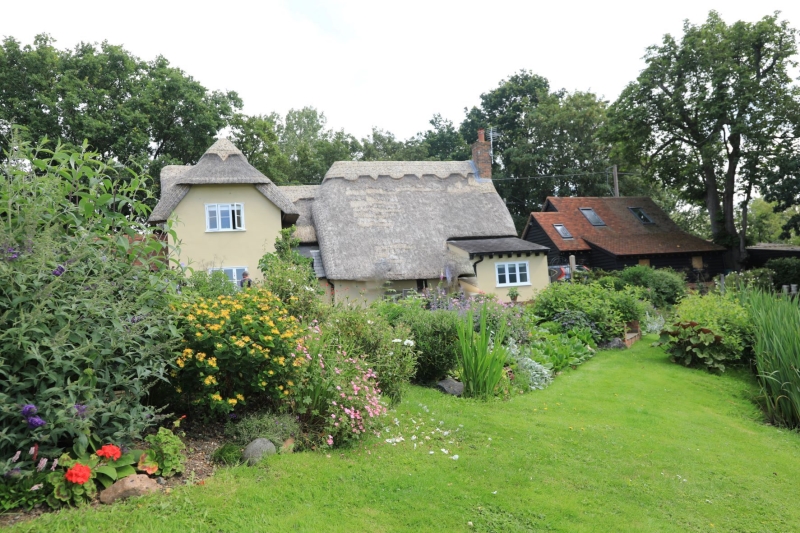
{"type": "Point", "coordinates": [482, 156]}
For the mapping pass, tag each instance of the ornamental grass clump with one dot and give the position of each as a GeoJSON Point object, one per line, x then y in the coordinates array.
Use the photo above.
{"type": "Point", "coordinates": [481, 357]}
{"type": "Point", "coordinates": [237, 348]}
{"type": "Point", "coordinates": [777, 354]}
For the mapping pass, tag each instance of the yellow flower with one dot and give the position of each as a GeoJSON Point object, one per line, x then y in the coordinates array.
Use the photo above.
{"type": "Point", "coordinates": [219, 346]}
{"type": "Point", "coordinates": [290, 383]}
{"type": "Point", "coordinates": [271, 372]}
{"type": "Point", "coordinates": [190, 317]}
{"type": "Point", "coordinates": [286, 392]}
{"type": "Point", "coordinates": [216, 397]}
{"type": "Point", "coordinates": [280, 387]}
{"type": "Point", "coordinates": [232, 401]}
{"type": "Point", "coordinates": [180, 362]}
{"type": "Point", "coordinates": [210, 380]}
{"type": "Point", "coordinates": [188, 353]}
{"type": "Point", "coordinates": [263, 383]}
{"type": "Point", "coordinates": [201, 356]}
{"type": "Point", "coordinates": [246, 338]}
{"type": "Point", "coordinates": [198, 334]}
{"type": "Point", "coordinates": [281, 360]}
{"type": "Point", "coordinates": [240, 397]}
{"type": "Point", "coordinates": [178, 390]}
{"type": "Point", "coordinates": [212, 361]}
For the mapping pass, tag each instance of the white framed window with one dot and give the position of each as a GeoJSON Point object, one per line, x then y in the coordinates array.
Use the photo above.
{"type": "Point", "coordinates": [234, 273]}
{"type": "Point", "coordinates": [510, 274]}
{"type": "Point", "coordinates": [224, 217]}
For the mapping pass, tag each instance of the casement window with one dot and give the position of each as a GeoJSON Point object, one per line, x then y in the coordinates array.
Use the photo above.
{"type": "Point", "coordinates": [639, 213]}
{"type": "Point", "coordinates": [509, 274]}
{"type": "Point", "coordinates": [697, 262]}
{"type": "Point", "coordinates": [563, 231]}
{"type": "Point", "coordinates": [224, 217]}
{"type": "Point", "coordinates": [234, 273]}
{"type": "Point", "coordinates": [593, 218]}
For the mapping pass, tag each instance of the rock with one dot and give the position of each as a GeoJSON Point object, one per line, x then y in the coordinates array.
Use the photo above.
{"type": "Point", "coordinates": [137, 485]}
{"type": "Point", "coordinates": [161, 481]}
{"type": "Point", "coordinates": [451, 386]}
{"type": "Point", "coordinates": [616, 342]}
{"type": "Point", "coordinates": [258, 449]}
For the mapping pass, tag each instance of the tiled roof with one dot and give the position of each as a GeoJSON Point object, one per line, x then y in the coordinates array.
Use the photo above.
{"type": "Point", "coordinates": [624, 233]}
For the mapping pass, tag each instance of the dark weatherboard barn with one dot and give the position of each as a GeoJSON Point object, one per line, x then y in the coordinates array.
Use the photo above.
{"type": "Point", "coordinates": [614, 232]}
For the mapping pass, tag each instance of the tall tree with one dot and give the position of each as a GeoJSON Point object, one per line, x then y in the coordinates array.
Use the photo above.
{"type": "Point", "coordinates": [128, 109]}
{"type": "Point", "coordinates": [715, 114]}
{"type": "Point", "coordinates": [549, 143]}
{"type": "Point", "coordinates": [257, 138]}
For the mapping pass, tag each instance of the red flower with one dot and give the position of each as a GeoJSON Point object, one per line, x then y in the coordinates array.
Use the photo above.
{"type": "Point", "coordinates": [78, 474]}
{"type": "Point", "coordinates": [110, 451]}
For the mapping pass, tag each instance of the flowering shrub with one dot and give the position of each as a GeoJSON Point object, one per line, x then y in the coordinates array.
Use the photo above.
{"type": "Point", "coordinates": [388, 350]}
{"type": "Point", "coordinates": [237, 347]}
{"type": "Point", "coordinates": [84, 324]}
{"type": "Point", "coordinates": [337, 396]}
{"type": "Point", "coordinates": [23, 480]}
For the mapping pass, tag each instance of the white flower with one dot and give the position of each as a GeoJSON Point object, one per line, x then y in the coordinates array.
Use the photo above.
{"type": "Point", "coordinates": [37, 486]}
{"type": "Point", "coordinates": [397, 340]}
{"type": "Point", "coordinates": [413, 437]}
{"type": "Point", "coordinates": [430, 452]}
{"type": "Point", "coordinates": [445, 451]}
{"type": "Point", "coordinates": [454, 458]}
{"type": "Point", "coordinates": [408, 342]}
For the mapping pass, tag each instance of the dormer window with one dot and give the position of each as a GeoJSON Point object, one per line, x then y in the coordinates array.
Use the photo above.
{"type": "Point", "coordinates": [639, 213]}
{"type": "Point", "coordinates": [563, 231]}
{"type": "Point", "coordinates": [592, 217]}
{"type": "Point", "coordinates": [224, 217]}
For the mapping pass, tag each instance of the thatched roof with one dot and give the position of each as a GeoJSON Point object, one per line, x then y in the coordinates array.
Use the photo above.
{"type": "Point", "coordinates": [222, 163]}
{"type": "Point", "coordinates": [303, 197]}
{"type": "Point", "coordinates": [392, 220]}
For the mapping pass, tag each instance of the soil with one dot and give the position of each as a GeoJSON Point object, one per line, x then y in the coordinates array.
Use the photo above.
{"type": "Point", "coordinates": [201, 440]}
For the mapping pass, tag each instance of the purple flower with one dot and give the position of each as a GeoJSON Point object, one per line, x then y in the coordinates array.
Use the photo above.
{"type": "Point", "coordinates": [80, 409]}
{"type": "Point", "coordinates": [29, 410]}
{"type": "Point", "coordinates": [14, 472]}
{"type": "Point", "coordinates": [59, 270]}
{"type": "Point", "coordinates": [35, 422]}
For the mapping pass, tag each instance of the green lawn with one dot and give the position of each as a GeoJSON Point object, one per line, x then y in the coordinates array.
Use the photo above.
{"type": "Point", "coordinates": [628, 442]}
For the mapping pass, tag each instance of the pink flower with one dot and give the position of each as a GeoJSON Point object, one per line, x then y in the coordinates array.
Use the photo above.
{"type": "Point", "coordinates": [330, 440]}
{"type": "Point", "coordinates": [16, 456]}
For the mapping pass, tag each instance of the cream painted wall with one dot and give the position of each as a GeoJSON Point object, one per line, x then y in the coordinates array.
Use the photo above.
{"type": "Point", "coordinates": [366, 292]}
{"type": "Point", "coordinates": [201, 249]}
{"type": "Point", "coordinates": [537, 274]}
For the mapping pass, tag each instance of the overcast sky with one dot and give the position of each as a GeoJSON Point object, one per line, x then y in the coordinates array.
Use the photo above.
{"type": "Point", "coordinates": [368, 63]}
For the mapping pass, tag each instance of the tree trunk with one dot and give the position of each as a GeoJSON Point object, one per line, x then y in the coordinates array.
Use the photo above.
{"type": "Point", "coordinates": [728, 208]}
{"type": "Point", "coordinates": [712, 197]}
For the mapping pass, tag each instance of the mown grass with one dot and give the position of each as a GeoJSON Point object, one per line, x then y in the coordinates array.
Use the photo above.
{"type": "Point", "coordinates": [628, 442]}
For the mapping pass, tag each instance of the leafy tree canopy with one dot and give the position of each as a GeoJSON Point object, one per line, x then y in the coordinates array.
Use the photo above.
{"type": "Point", "coordinates": [715, 115]}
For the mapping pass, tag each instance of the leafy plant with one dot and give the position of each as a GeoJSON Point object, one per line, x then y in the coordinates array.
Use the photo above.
{"type": "Point", "coordinates": [205, 285]}
{"type": "Point", "coordinates": [166, 450]}
{"type": "Point", "coordinates": [75, 486]}
{"type": "Point", "coordinates": [777, 354]}
{"type": "Point", "coordinates": [711, 331]}
{"type": "Point", "coordinates": [25, 492]}
{"type": "Point", "coordinates": [273, 427]}
{"type": "Point", "coordinates": [228, 454]}
{"type": "Point", "coordinates": [237, 348]}
{"type": "Point", "coordinates": [85, 327]}
{"type": "Point", "coordinates": [481, 364]}
{"type": "Point", "coordinates": [663, 286]}
{"type": "Point", "coordinates": [513, 293]}
{"type": "Point", "coordinates": [786, 269]}
{"type": "Point", "coordinates": [290, 276]}
{"type": "Point", "coordinates": [559, 351]}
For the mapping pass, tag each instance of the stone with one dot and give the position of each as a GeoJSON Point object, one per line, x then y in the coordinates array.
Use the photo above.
{"type": "Point", "coordinates": [615, 343]}
{"type": "Point", "coordinates": [137, 485]}
{"type": "Point", "coordinates": [258, 449]}
{"type": "Point", "coordinates": [451, 386]}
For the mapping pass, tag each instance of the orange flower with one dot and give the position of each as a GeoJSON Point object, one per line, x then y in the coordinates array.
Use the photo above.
{"type": "Point", "coordinates": [110, 451]}
{"type": "Point", "coordinates": [78, 474]}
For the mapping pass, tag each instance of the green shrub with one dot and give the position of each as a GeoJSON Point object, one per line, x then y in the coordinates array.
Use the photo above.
{"type": "Point", "coordinates": [388, 350]}
{"type": "Point", "coordinates": [205, 285]}
{"type": "Point", "coordinates": [777, 354]}
{"type": "Point", "coordinates": [85, 327]}
{"type": "Point", "coordinates": [663, 286]}
{"type": "Point", "coordinates": [577, 323]}
{"type": "Point", "coordinates": [166, 449]}
{"type": "Point", "coordinates": [787, 271]}
{"type": "Point", "coordinates": [434, 333]}
{"type": "Point", "coordinates": [610, 310]}
{"type": "Point", "coordinates": [613, 282]}
{"type": "Point", "coordinates": [237, 349]}
{"type": "Point", "coordinates": [276, 428]}
{"type": "Point", "coordinates": [228, 454]}
{"type": "Point", "coordinates": [557, 352]}
{"type": "Point", "coordinates": [709, 331]}
{"type": "Point", "coordinates": [481, 357]}
{"type": "Point", "coordinates": [290, 277]}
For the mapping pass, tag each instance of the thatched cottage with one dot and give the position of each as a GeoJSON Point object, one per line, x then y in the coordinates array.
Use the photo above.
{"type": "Point", "coordinates": [369, 226]}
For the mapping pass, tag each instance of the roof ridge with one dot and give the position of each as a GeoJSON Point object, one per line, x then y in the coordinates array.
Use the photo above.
{"type": "Point", "coordinates": [223, 148]}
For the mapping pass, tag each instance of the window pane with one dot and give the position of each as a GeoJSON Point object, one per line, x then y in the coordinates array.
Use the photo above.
{"type": "Point", "coordinates": [592, 217]}
{"type": "Point", "coordinates": [224, 216]}
{"type": "Point", "coordinates": [563, 231]}
{"type": "Point", "coordinates": [229, 272]}
{"type": "Point", "coordinates": [512, 273]}
{"type": "Point", "coordinates": [501, 274]}
{"type": "Point", "coordinates": [523, 272]}
{"type": "Point", "coordinates": [211, 211]}
{"type": "Point", "coordinates": [237, 216]}
{"type": "Point", "coordinates": [641, 215]}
